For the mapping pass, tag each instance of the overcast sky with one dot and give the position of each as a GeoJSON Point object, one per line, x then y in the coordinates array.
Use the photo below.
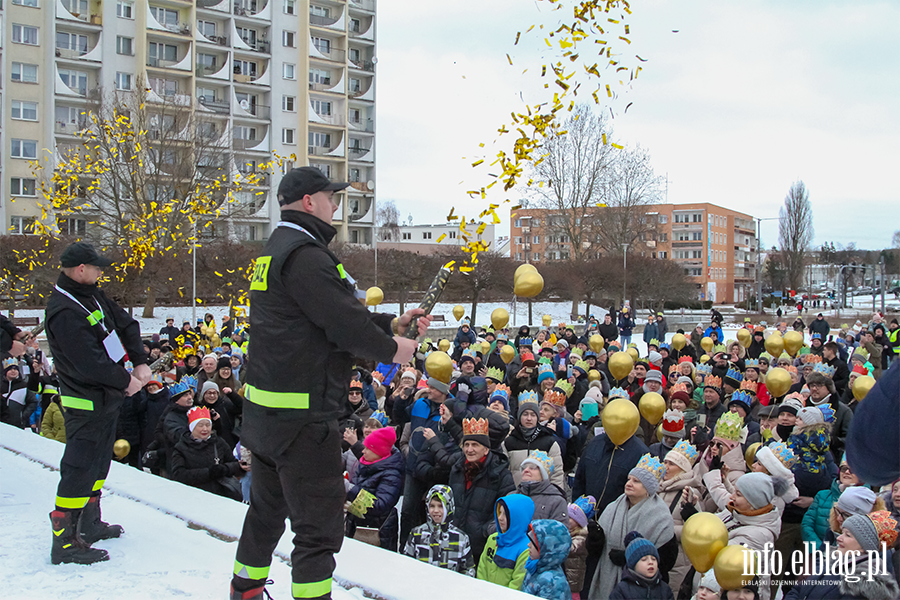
{"type": "Point", "coordinates": [746, 98]}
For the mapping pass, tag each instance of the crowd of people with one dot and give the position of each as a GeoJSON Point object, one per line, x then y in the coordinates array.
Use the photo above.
{"type": "Point", "coordinates": [504, 467]}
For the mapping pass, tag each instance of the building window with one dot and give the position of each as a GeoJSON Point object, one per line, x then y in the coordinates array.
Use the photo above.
{"type": "Point", "coordinates": [663, 254]}
{"type": "Point", "coordinates": [165, 16]}
{"type": "Point", "coordinates": [124, 45]}
{"type": "Point", "coordinates": [125, 10]}
{"type": "Point", "coordinates": [664, 237]}
{"type": "Point", "coordinates": [697, 218]}
{"type": "Point", "coordinates": [355, 25]}
{"type": "Point", "coordinates": [290, 7]}
{"type": "Point", "coordinates": [159, 52]}
{"type": "Point", "coordinates": [72, 226]}
{"type": "Point", "coordinates": [207, 29]}
{"type": "Point", "coordinates": [123, 81]}
{"type": "Point", "coordinates": [452, 235]}
{"type": "Point", "coordinates": [24, 148]}
{"type": "Point", "coordinates": [697, 236]}
{"type": "Point", "coordinates": [244, 67]}
{"type": "Point", "coordinates": [242, 132]}
{"type": "Point", "coordinates": [287, 136]}
{"type": "Point", "coordinates": [76, 7]}
{"type": "Point", "coordinates": [323, 108]}
{"type": "Point", "coordinates": [76, 80]}
{"type": "Point", "coordinates": [288, 71]}
{"type": "Point", "coordinates": [29, 3]}
{"type": "Point", "coordinates": [22, 186]}
{"type": "Point", "coordinates": [321, 140]}
{"type": "Point", "coordinates": [319, 11]}
{"type": "Point", "coordinates": [319, 76]}
{"type": "Point", "coordinates": [407, 236]}
{"type": "Point", "coordinates": [24, 111]}
{"type": "Point", "coordinates": [72, 41]}
{"type": "Point", "coordinates": [355, 85]}
{"type": "Point", "coordinates": [537, 239]}
{"type": "Point", "coordinates": [24, 73]}
{"type": "Point", "coordinates": [25, 34]}
{"type": "Point", "coordinates": [287, 103]}
{"type": "Point", "coordinates": [663, 219]}
{"type": "Point", "coordinates": [518, 223]}
{"type": "Point", "coordinates": [354, 55]}
{"type": "Point", "coordinates": [248, 36]}
{"type": "Point", "coordinates": [323, 45]}
{"type": "Point", "coordinates": [287, 39]}
{"type": "Point", "coordinates": [22, 225]}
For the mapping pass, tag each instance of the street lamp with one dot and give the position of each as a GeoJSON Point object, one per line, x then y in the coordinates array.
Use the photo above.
{"type": "Point", "coordinates": [194, 287]}
{"type": "Point", "coordinates": [624, 271]}
{"type": "Point", "coordinates": [759, 304]}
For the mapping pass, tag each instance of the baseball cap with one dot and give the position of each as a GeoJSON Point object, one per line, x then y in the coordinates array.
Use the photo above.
{"type": "Point", "coordinates": [82, 253]}
{"type": "Point", "coordinates": [305, 180]}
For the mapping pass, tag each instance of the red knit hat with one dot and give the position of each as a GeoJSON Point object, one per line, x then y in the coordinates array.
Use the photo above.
{"type": "Point", "coordinates": [381, 441]}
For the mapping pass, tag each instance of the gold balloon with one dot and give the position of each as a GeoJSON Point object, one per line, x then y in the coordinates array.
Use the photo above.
{"type": "Point", "coordinates": [775, 345]}
{"type": "Point", "coordinates": [439, 366]}
{"type": "Point", "coordinates": [529, 285]}
{"type": "Point", "coordinates": [374, 296]}
{"type": "Point", "coordinates": [744, 337]}
{"type": "Point", "coordinates": [444, 345]}
{"type": "Point", "coordinates": [522, 269]}
{"type": "Point", "coordinates": [707, 344]}
{"type": "Point", "coordinates": [703, 537]}
{"type": "Point", "coordinates": [485, 348]}
{"type": "Point", "coordinates": [634, 354]}
{"type": "Point", "coordinates": [499, 318]}
{"type": "Point", "coordinates": [679, 341]}
{"type": "Point", "coordinates": [729, 566]}
{"type": "Point", "coordinates": [596, 342]}
{"type": "Point", "coordinates": [620, 365]}
{"type": "Point", "coordinates": [546, 320]}
{"type": "Point", "coordinates": [593, 375]}
{"type": "Point", "coordinates": [793, 341]}
{"type": "Point", "coordinates": [458, 312]}
{"type": "Point", "coordinates": [659, 433]}
{"type": "Point", "coordinates": [778, 382]}
{"type": "Point", "coordinates": [750, 454]}
{"type": "Point", "coordinates": [652, 407]}
{"type": "Point", "coordinates": [862, 385]}
{"type": "Point", "coordinates": [621, 420]}
{"type": "Point", "coordinates": [507, 353]}
{"type": "Point", "coordinates": [121, 448]}
{"type": "Point", "coordinates": [704, 359]}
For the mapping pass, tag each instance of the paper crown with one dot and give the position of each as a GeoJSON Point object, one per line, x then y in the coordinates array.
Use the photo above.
{"type": "Point", "coordinates": [729, 427]}
{"type": "Point", "coordinates": [790, 369]}
{"type": "Point", "coordinates": [582, 366]}
{"type": "Point", "coordinates": [589, 353]}
{"type": "Point", "coordinates": [713, 382]}
{"type": "Point", "coordinates": [751, 363]}
{"type": "Point", "coordinates": [704, 369]}
{"type": "Point", "coordinates": [476, 427]}
{"type": "Point", "coordinates": [502, 391]}
{"type": "Point", "coordinates": [356, 384]}
{"type": "Point", "coordinates": [197, 413]}
{"type": "Point", "coordinates": [565, 387]}
{"type": "Point", "coordinates": [685, 359]}
{"type": "Point", "coordinates": [824, 369]}
{"type": "Point", "coordinates": [528, 396]}
{"type": "Point", "coordinates": [179, 388]}
{"type": "Point", "coordinates": [652, 465]}
{"type": "Point", "coordinates": [811, 359]}
{"type": "Point", "coordinates": [734, 374]}
{"type": "Point", "coordinates": [577, 352]}
{"type": "Point", "coordinates": [672, 368]}
{"type": "Point", "coordinates": [495, 374]}
{"type": "Point", "coordinates": [555, 397]}
{"type": "Point", "coordinates": [653, 342]}
{"type": "Point", "coordinates": [525, 342]}
{"type": "Point", "coordinates": [816, 336]}
{"type": "Point", "coordinates": [618, 392]}
{"type": "Point", "coordinates": [742, 397]}
{"type": "Point", "coordinates": [379, 416]}
{"type": "Point", "coordinates": [588, 505]}
{"type": "Point", "coordinates": [750, 386]}
{"type": "Point", "coordinates": [860, 370]}
{"type": "Point", "coordinates": [827, 412]}
{"type": "Point", "coordinates": [686, 449]}
{"type": "Point", "coordinates": [784, 454]}
{"type": "Point", "coordinates": [679, 387]}
{"type": "Point", "coordinates": [542, 459]}
{"type": "Point", "coordinates": [9, 363]}
{"type": "Point", "coordinates": [545, 371]}
{"type": "Point", "coordinates": [378, 376]}
{"type": "Point", "coordinates": [468, 353]}
{"type": "Point", "coordinates": [885, 527]}
{"type": "Point", "coordinates": [548, 346]}
{"type": "Point", "coordinates": [673, 421]}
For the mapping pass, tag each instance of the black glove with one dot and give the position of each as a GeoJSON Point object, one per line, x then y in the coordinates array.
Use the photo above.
{"type": "Point", "coordinates": [596, 539]}
{"type": "Point", "coordinates": [701, 437]}
{"type": "Point", "coordinates": [716, 463]}
{"type": "Point", "coordinates": [218, 471]}
{"type": "Point", "coordinates": [688, 511]}
{"type": "Point", "coordinates": [617, 557]}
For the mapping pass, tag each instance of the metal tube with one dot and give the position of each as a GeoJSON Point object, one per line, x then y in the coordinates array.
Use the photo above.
{"type": "Point", "coordinates": [194, 287]}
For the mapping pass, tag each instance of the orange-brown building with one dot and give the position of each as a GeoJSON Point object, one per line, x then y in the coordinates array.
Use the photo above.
{"type": "Point", "coordinates": [715, 245]}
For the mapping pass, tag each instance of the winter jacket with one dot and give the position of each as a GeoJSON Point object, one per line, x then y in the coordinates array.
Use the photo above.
{"type": "Point", "coordinates": [151, 408]}
{"type": "Point", "coordinates": [373, 493]}
{"type": "Point", "coordinates": [475, 505]}
{"type": "Point", "coordinates": [128, 425]}
{"type": "Point", "coordinates": [545, 577]}
{"type": "Point", "coordinates": [810, 477]}
{"type": "Point", "coordinates": [839, 587]}
{"type": "Point", "coordinates": [651, 332]}
{"type": "Point", "coordinates": [203, 464]}
{"type": "Point", "coordinates": [423, 414]}
{"type": "Point", "coordinates": [171, 333]}
{"type": "Point", "coordinates": [635, 587]}
{"type": "Point", "coordinates": [843, 416]}
{"type": "Point", "coordinates": [875, 428]}
{"type": "Point", "coordinates": [53, 425]}
{"type": "Point", "coordinates": [662, 328]}
{"type": "Point", "coordinates": [604, 467]}
{"type": "Point", "coordinates": [443, 545]}
{"type": "Point", "coordinates": [718, 331]}
{"type": "Point", "coordinates": [518, 447]}
{"type": "Point", "coordinates": [841, 376]}
{"type": "Point", "coordinates": [755, 531]}
{"type": "Point", "coordinates": [549, 501]}
{"type": "Point", "coordinates": [18, 399]}
{"type": "Point", "coordinates": [815, 524]}
{"type": "Point", "coordinates": [609, 332]}
{"type": "Point", "coordinates": [506, 553]}
{"type": "Point", "coordinates": [576, 563]}
{"type": "Point", "coordinates": [626, 325]}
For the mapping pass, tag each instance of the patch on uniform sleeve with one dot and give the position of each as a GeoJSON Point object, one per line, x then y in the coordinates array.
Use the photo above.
{"type": "Point", "coordinates": [259, 281]}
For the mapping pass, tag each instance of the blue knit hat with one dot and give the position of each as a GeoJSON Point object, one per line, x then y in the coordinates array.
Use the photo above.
{"type": "Point", "coordinates": [637, 547]}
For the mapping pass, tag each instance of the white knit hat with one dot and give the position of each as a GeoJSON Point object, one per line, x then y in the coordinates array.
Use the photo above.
{"type": "Point", "coordinates": [773, 465]}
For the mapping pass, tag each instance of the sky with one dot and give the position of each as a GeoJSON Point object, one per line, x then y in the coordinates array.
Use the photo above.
{"type": "Point", "coordinates": [745, 99]}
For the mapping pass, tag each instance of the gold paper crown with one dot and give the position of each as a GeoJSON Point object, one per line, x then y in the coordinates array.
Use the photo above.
{"type": "Point", "coordinates": [749, 386]}
{"type": "Point", "coordinates": [729, 427]}
{"type": "Point", "coordinates": [548, 345]}
{"type": "Point", "coordinates": [555, 397]}
{"type": "Point", "coordinates": [582, 364]}
{"type": "Point", "coordinates": [476, 427]}
{"type": "Point", "coordinates": [713, 381]}
{"type": "Point", "coordinates": [494, 373]}
{"type": "Point", "coordinates": [565, 386]}
{"type": "Point", "coordinates": [651, 464]}
{"type": "Point", "coordinates": [811, 359]}
{"type": "Point", "coordinates": [672, 368]}
{"type": "Point", "coordinates": [577, 351]}
{"type": "Point", "coordinates": [679, 387]}
{"type": "Point", "coordinates": [687, 450]}
{"type": "Point", "coordinates": [502, 388]}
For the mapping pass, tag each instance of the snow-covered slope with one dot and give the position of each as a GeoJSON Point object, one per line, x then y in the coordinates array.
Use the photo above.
{"type": "Point", "coordinates": [179, 542]}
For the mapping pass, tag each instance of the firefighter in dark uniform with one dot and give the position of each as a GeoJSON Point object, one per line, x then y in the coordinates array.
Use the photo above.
{"type": "Point", "coordinates": [308, 323]}
{"type": "Point", "coordinates": [89, 337]}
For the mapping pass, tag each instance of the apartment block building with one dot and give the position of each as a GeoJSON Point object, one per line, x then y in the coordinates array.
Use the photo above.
{"type": "Point", "coordinates": [265, 75]}
{"type": "Point", "coordinates": [716, 246]}
{"type": "Point", "coordinates": [423, 239]}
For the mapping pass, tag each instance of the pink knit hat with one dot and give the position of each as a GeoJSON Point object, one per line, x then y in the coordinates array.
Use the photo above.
{"type": "Point", "coordinates": [381, 441]}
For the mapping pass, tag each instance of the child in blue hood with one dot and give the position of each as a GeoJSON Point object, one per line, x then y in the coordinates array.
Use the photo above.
{"type": "Point", "coordinates": [548, 546]}
{"type": "Point", "coordinates": [506, 552]}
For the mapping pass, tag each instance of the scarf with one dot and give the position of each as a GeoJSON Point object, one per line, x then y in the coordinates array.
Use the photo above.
{"type": "Point", "coordinates": [749, 513]}
{"type": "Point", "coordinates": [472, 469]}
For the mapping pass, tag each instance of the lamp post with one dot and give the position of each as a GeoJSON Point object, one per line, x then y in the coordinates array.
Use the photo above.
{"type": "Point", "coordinates": [194, 285]}
{"type": "Point", "coordinates": [624, 271]}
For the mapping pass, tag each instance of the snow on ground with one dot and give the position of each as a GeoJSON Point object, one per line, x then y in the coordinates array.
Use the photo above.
{"type": "Point", "coordinates": [179, 542]}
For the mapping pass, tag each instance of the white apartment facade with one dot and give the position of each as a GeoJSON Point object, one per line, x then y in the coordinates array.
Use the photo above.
{"type": "Point", "coordinates": [268, 74]}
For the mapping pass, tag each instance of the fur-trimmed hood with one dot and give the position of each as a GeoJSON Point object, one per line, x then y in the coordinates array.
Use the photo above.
{"type": "Point", "coordinates": [882, 587]}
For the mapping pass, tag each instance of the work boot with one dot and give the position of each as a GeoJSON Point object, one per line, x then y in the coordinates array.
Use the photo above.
{"type": "Point", "coordinates": [92, 528]}
{"type": "Point", "coordinates": [67, 544]}
{"type": "Point", "coordinates": [256, 589]}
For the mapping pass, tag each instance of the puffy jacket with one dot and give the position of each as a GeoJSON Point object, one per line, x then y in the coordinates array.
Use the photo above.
{"type": "Point", "coordinates": [815, 521]}
{"type": "Point", "coordinates": [374, 492]}
{"type": "Point", "coordinates": [718, 332]}
{"type": "Point", "coordinates": [195, 462]}
{"type": "Point", "coordinates": [821, 327]}
{"type": "Point", "coordinates": [151, 408]}
{"type": "Point", "coordinates": [475, 505]}
{"type": "Point", "coordinates": [609, 332]}
{"type": "Point", "coordinates": [89, 380]}
{"type": "Point", "coordinates": [633, 587]}
{"type": "Point", "coordinates": [307, 325]}
{"type": "Point", "coordinates": [506, 554]}
{"type": "Point", "coordinates": [443, 545]}
{"type": "Point", "coordinates": [517, 448]}
{"type": "Point", "coordinates": [549, 501]}
{"type": "Point", "coordinates": [753, 531]}
{"type": "Point", "coordinates": [547, 578]}
{"type": "Point", "coordinates": [53, 425]}
{"type": "Point", "coordinates": [626, 324]}
{"type": "Point", "coordinates": [604, 467]}
{"type": "Point", "coordinates": [651, 332]}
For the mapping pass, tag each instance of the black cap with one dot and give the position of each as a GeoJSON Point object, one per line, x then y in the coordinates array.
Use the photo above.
{"type": "Point", "coordinates": [82, 253]}
{"type": "Point", "coordinates": [305, 181]}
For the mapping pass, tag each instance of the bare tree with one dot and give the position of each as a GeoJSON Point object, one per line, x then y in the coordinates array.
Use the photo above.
{"type": "Point", "coordinates": [795, 232]}
{"type": "Point", "coordinates": [895, 241]}
{"type": "Point", "coordinates": [387, 222]}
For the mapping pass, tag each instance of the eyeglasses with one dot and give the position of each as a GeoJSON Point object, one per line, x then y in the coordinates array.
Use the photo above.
{"type": "Point", "coordinates": [815, 385]}
{"type": "Point", "coordinates": [842, 514]}
{"type": "Point", "coordinates": [355, 393]}
{"type": "Point", "coordinates": [845, 469]}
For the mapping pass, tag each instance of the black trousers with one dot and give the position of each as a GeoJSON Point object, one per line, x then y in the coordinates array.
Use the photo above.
{"type": "Point", "coordinates": [303, 482]}
{"type": "Point", "coordinates": [413, 512]}
{"type": "Point", "coordinates": [90, 437]}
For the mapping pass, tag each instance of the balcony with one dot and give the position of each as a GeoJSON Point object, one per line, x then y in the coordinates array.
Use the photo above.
{"type": "Point", "coordinates": [251, 8]}
{"type": "Point", "coordinates": [321, 151]}
{"type": "Point", "coordinates": [92, 17]}
{"type": "Point", "coordinates": [357, 152]}
{"type": "Point", "coordinates": [362, 5]}
{"type": "Point", "coordinates": [245, 144]}
{"type": "Point", "coordinates": [363, 65]}
{"type": "Point", "coordinates": [321, 21]}
{"type": "Point", "coordinates": [68, 128]}
{"type": "Point", "coordinates": [322, 86]}
{"type": "Point", "coordinates": [363, 125]}
{"type": "Point", "coordinates": [686, 243]}
{"type": "Point", "coordinates": [257, 111]}
{"type": "Point", "coordinates": [215, 104]}
{"type": "Point", "coordinates": [332, 54]}
{"type": "Point", "coordinates": [69, 53]}
{"type": "Point", "coordinates": [261, 177]}
{"type": "Point", "coordinates": [219, 40]}
{"type": "Point", "coordinates": [160, 63]}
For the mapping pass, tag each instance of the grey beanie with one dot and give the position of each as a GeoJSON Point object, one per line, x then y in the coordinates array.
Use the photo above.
{"type": "Point", "coordinates": [527, 405]}
{"type": "Point", "coordinates": [650, 481]}
{"type": "Point", "coordinates": [208, 385]}
{"type": "Point", "coordinates": [654, 358]}
{"type": "Point", "coordinates": [757, 488]}
{"type": "Point", "coordinates": [438, 385]}
{"type": "Point", "coordinates": [653, 375]}
{"type": "Point", "coordinates": [858, 500]}
{"type": "Point", "coordinates": [863, 529]}
{"type": "Point", "coordinates": [685, 380]}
